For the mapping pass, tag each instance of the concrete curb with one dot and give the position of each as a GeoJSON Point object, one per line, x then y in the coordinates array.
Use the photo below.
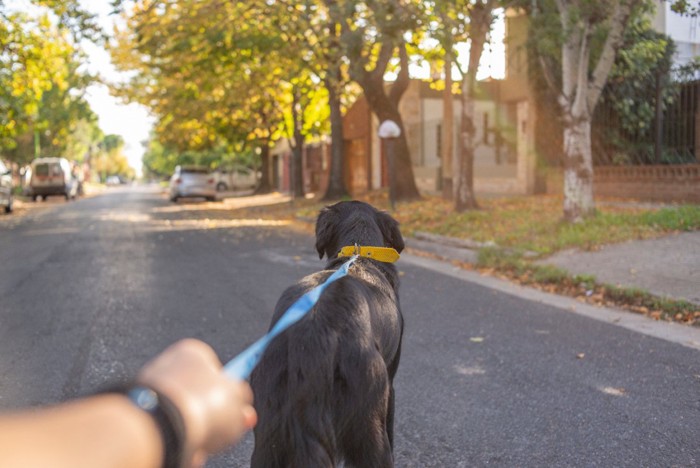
{"type": "Point", "coordinates": [445, 252]}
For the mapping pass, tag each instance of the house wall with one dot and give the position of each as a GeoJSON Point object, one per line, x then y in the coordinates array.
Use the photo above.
{"type": "Point", "coordinates": [684, 30]}
{"type": "Point", "coordinates": [316, 167]}
{"type": "Point", "coordinates": [357, 128]}
{"type": "Point", "coordinates": [495, 155]}
{"type": "Point", "coordinates": [516, 85]}
{"type": "Point", "coordinates": [412, 116]}
{"type": "Point", "coordinates": [497, 164]}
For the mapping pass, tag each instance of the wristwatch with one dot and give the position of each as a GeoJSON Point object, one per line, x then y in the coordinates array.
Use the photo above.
{"type": "Point", "coordinates": [167, 418]}
{"type": "Point", "coordinates": [143, 397]}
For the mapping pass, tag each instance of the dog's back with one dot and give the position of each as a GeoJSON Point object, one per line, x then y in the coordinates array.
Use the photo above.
{"type": "Point", "coordinates": [323, 389]}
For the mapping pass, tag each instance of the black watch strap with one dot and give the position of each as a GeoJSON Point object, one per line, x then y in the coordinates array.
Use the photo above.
{"type": "Point", "coordinates": [169, 421]}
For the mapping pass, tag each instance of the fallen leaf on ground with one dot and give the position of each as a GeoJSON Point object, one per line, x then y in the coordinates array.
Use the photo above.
{"type": "Point", "coordinates": [614, 391]}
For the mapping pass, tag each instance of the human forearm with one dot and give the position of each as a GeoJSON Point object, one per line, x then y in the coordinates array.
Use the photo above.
{"type": "Point", "coordinates": [199, 411]}
{"type": "Point", "coordinates": [104, 431]}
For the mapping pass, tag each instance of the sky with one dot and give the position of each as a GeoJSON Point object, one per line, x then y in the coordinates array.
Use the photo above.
{"type": "Point", "coordinates": [132, 121]}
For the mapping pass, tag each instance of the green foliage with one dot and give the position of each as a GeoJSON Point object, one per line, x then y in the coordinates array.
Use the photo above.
{"type": "Point", "coordinates": [73, 18]}
{"type": "Point", "coordinates": [502, 259]}
{"type": "Point", "coordinates": [220, 75]}
{"type": "Point", "coordinates": [685, 7]}
{"type": "Point", "coordinates": [586, 282]}
{"type": "Point", "coordinates": [624, 122]}
{"type": "Point", "coordinates": [534, 224]}
{"type": "Point", "coordinates": [108, 158]}
{"type": "Point", "coordinates": [626, 111]}
{"type": "Point", "coordinates": [548, 274]}
{"type": "Point", "coordinates": [160, 161]}
{"type": "Point", "coordinates": [41, 103]}
{"type": "Point", "coordinates": [681, 218]}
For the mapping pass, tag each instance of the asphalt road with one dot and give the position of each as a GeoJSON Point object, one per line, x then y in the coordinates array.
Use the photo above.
{"type": "Point", "coordinates": [90, 290]}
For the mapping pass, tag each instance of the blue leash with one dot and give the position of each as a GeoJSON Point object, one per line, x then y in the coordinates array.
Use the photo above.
{"type": "Point", "coordinates": [242, 365]}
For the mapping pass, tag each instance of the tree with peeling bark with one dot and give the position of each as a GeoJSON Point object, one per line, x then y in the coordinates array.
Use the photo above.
{"type": "Point", "coordinates": [583, 79]}
{"type": "Point", "coordinates": [586, 42]}
{"type": "Point", "coordinates": [371, 32]}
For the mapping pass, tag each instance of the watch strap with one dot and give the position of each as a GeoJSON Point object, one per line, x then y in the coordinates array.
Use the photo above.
{"type": "Point", "coordinates": [167, 418]}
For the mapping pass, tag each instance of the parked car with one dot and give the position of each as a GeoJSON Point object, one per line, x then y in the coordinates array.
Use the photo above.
{"type": "Point", "coordinates": [113, 181]}
{"type": "Point", "coordinates": [192, 181]}
{"type": "Point", "coordinates": [235, 178]}
{"type": "Point", "coordinates": [52, 176]}
{"type": "Point", "coordinates": [5, 188]}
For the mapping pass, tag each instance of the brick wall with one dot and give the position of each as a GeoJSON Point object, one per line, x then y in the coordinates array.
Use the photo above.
{"type": "Point", "coordinates": [654, 183]}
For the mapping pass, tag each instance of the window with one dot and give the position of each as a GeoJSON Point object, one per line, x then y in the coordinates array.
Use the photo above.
{"type": "Point", "coordinates": [42, 169]}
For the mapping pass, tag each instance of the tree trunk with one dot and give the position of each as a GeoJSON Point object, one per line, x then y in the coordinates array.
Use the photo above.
{"type": "Point", "coordinates": [386, 107]}
{"type": "Point", "coordinates": [465, 199]}
{"type": "Point", "coordinates": [405, 185]}
{"type": "Point", "coordinates": [336, 178]}
{"type": "Point", "coordinates": [264, 186]}
{"type": "Point", "coordinates": [580, 92]}
{"type": "Point", "coordinates": [481, 18]}
{"type": "Point", "coordinates": [447, 137]}
{"type": "Point", "coordinates": [578, 170]}
{"type": "Point", "coordinates": [298, 147]}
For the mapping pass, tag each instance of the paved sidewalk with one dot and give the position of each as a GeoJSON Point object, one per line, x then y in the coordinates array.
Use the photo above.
{"type": "Point", "coordinates": [668, 266]}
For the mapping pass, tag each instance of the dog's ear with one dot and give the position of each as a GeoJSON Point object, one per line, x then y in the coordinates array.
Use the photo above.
{"type": "Point", "coordinates": [325, 230]}
{"type": "Point", "coordinates": [390, 230]}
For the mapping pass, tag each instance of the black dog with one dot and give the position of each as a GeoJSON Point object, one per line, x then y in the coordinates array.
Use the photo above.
{"type": "Point", "coordinates": [323, 388]}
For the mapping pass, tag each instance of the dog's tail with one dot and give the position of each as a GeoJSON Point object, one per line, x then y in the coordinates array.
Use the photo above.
{"type": "Point", "coordinates": [293, 387]}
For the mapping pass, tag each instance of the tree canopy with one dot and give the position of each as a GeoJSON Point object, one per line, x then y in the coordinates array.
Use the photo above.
{"type": "Point", "coordinates": [42, 104]}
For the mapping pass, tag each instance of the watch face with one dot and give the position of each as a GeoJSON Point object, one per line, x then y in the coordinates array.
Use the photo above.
{"type": "Point", "coordinates": [144, 398]}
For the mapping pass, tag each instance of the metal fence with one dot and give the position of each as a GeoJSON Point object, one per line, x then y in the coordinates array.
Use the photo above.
{"type": "Point", "coordinates": [664, 129]}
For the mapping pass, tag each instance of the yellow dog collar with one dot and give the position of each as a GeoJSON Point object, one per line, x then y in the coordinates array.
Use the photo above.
{"type": "Point", "coordinates": [382, 254]}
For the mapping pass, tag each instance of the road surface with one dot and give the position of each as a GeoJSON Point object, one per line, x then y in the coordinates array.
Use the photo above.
{"type": "Point", "coordinates": [90, 290]}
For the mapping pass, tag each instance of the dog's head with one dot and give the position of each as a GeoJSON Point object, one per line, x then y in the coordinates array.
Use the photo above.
{"type": "Point", "coordinates": [355, 222]}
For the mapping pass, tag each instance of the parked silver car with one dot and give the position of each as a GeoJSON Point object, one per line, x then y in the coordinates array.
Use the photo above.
{"type": "Point", "coordinates": [192, 181]}
{"type": "Point", "coordinates": [235, 178]}
{"type": "Point", "coordinates": [5, 188]}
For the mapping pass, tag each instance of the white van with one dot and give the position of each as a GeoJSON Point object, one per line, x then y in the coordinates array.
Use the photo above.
{"type": "Point", "coordinates": [52, 176]}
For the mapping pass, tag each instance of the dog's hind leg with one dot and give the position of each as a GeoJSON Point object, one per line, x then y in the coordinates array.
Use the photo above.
{"type": "Point", "coordinates": [391, 370]}
{"type": "Point", "coordinates": [390, 418]}
{"type": "Point", "coordinates": [368, 448]}
{"type": "Point", "coordinates": [365, 441]}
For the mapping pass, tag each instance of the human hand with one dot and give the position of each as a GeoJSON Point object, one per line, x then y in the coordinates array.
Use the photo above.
{"type": "Point", "coordinates": [216, 410]}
